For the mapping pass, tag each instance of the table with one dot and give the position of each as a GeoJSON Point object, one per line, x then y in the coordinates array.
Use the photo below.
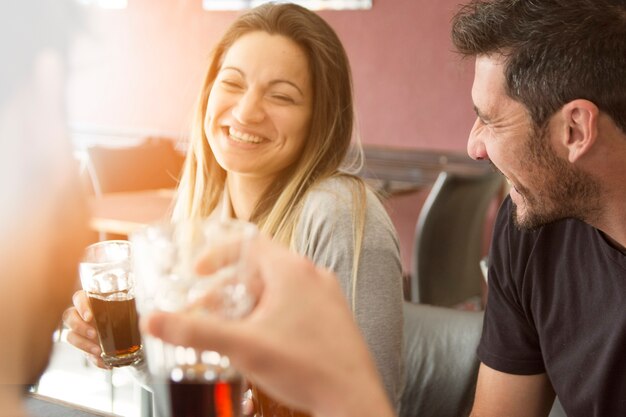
{"type": "Point", "coordinates": [124, 212]}
{"type": "Point", "coordinates": [40, 406]}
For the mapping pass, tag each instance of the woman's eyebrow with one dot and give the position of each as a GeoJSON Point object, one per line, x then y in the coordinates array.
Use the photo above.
{"type": "Point", "coordinates": [294, 85]}
{"type": "Point", "coordinates": [273, 82]}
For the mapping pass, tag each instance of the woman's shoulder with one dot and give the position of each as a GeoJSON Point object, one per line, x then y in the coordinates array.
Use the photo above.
{"type": "Point", "coordinates": [338, 199]}
{"type": "Point", "coordinates": [340, 193]}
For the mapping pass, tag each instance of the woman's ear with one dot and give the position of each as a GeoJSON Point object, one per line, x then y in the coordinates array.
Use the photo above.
{"type": "Point", "coordinates": [581, 124]}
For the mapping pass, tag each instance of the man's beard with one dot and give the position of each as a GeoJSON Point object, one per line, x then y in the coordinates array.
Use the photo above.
{"type": "Point", "coordinates": [560, 191]}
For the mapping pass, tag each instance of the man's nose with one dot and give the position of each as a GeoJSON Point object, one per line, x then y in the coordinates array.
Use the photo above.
{"type": "Point", "coordinates": [475, 143]}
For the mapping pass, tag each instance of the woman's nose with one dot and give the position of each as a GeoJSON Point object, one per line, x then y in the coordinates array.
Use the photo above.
{"type": "Point", "coordinates": [475, 143]}
{"type": "Point", "coordinates": [249, 108]}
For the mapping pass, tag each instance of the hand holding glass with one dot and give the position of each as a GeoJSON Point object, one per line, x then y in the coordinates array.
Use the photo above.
{"type": "Point", "coordinates": [107, 278]}
{"type": "Point", "coordinates": [188, 381]}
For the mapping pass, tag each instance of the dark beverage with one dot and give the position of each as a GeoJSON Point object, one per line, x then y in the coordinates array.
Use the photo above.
{"type": "Point", "coordinates": [268, 407]}
{"type": "Point", "coordinates": [118, 327]}
{"type": "Point", "coordinates": [195, 396]}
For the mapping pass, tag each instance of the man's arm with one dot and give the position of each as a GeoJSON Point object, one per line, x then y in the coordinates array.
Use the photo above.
{"type": "Point", "coordinates": [499, 394]}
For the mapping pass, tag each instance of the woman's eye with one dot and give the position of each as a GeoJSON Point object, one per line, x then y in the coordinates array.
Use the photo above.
{"type": "Point", "coordinates": [230, 84]}
{"type": "Point", "coordinates": [283, 98]}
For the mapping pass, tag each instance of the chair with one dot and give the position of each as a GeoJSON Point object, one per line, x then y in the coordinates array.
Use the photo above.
{"type": "Point", "coordinates": [441, 366]}
{"type": "Point", "coordinates": [440, 360]}
{"type": "Point", "coordinates": [153, 164]}
{"type": "Point", "coordinates": [449, 239]}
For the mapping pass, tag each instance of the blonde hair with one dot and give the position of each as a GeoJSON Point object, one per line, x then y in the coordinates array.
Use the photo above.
{"type": "Point", "coordinates": [327, 145]}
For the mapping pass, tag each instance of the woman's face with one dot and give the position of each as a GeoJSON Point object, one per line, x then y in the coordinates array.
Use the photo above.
{"type": "Point", "coordinates": [259, 108]}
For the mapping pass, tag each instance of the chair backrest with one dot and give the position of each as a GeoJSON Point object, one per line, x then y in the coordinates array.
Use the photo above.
{"type": "Point", "coordinates": [448, 241]}
{"type": "Point", "coordinates": [153, 164]}
{"type": "Point", "coordinates": [440, 360]}
{"type": "Point", "coordinates": [441, 366]}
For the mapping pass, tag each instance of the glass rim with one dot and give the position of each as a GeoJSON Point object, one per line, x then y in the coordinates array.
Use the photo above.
{"type": "Point", "coordinates": [90, 257]}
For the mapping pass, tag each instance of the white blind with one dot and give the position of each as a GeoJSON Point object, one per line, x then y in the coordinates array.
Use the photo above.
{"type": "Point", "coordinates": [310, 4]}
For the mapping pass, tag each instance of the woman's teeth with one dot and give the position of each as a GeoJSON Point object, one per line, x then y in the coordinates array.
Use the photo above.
{"type": "Point", "coordinates": [243, 137]}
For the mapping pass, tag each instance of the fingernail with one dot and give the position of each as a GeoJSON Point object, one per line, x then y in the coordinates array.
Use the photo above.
{"type": "Point", "coordinates": [95, 351]}
{"type": "Point", "coordinates": [91, 333]}
{"type": "Point", "coordinates": [87, 316]}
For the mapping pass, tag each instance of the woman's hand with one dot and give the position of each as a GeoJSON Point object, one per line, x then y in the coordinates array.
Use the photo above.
{"type": "Point", "coordinates": [79, 319]}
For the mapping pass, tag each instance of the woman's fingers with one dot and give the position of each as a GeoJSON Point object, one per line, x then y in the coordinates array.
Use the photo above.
{"type": "Point", "coordinates": [82, 305]}
{"type": "Point", "coordinates": [82, 334]}
{"type": "Point", "coordinates": [76, 324]}
{"type": "Point", "coordinates": [86, 345]}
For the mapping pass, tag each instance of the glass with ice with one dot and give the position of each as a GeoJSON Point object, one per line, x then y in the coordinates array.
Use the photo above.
{"type": "Point", "coordinates": [188, 381]}
{"type": "Point", "coordinates": [107, 278]}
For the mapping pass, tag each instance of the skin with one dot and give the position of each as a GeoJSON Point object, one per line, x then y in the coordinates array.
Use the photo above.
{"type": "Point", "coordinates": [573, 169]}
{"type": "Point", "coordinates": [563, 172]}
{"type": "Point", "coordinates": [301, 342]}
{"type": "Point", "coordinates": [42, 238]}
{"type": "Point", "coordinates": [258, 114]}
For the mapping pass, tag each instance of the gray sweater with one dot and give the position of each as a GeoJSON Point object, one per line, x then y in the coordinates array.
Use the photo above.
{"type": "Point", "coordinates": [325, 235]}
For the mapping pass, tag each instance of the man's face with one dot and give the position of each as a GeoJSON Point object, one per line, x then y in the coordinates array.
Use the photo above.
{"type": "Point", "coordinates": [544, 186]}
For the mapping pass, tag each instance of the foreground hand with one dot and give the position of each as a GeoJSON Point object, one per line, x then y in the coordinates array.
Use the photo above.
{"type": "Point", "coordinates": [300, 343]}
{"type": "Point", "coordinates": [82, 334]}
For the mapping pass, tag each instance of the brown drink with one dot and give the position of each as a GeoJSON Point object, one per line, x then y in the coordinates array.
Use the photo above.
{"type": "Point", "coordinates": [268, 407]}
{"type": "Point", "coordinates": [118, 327]}
{"type": "Point", "coordinates": [195, 395]}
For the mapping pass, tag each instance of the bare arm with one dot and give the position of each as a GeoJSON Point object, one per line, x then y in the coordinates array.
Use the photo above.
{"type": "Point", "coordinates": [499, 394]}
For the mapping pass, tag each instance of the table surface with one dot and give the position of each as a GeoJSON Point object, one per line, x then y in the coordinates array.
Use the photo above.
{"type": "Point", "coordinates": [122, 213]}
{"type": "Point", "coordinates": [40, 406]}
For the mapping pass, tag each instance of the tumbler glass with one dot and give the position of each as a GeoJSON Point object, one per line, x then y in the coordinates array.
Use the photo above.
{"type": "Point", "coordinates": [107, 278]}
{"type": "Point", "coordinates": [187, 381]}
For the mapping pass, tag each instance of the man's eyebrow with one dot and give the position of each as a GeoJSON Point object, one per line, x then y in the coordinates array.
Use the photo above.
{"type": "Point", "coordinates": [480, 114]}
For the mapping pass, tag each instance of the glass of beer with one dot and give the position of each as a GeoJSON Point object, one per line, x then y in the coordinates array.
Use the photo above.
{"type": "Point", "coordinates": [187, 381]}
{"type": "Point", "coordinates": [107, 278]}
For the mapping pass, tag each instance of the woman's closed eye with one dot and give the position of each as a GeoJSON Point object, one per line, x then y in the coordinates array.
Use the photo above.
{"type": "Point", "coordinates": [231, 84]}
{"type": "Point", "coordinates": [283, 98]}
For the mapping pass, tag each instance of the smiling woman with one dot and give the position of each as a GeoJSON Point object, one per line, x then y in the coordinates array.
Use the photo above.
{"type": "Point", "coordinates": [259, 110]}
{"type": "Point", "coordinates": [269, 145]}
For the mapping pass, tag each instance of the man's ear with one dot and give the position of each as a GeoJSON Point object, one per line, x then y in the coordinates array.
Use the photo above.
{"type": "Point", "coordinates": [581, 125]}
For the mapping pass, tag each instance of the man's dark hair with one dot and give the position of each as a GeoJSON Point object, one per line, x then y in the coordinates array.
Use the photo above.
{"type": "Point", "coordinates": [556, 51]}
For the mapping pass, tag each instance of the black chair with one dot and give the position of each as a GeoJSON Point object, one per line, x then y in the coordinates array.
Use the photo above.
{"type": "Point", "coordinates": [441, 366]}
{"type": "Point", "coordinates": [440, 360]}
{"type": "Point", "coordinates": [448, 241]}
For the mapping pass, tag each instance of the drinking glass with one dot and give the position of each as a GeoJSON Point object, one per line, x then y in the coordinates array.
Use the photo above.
{"type": "Point", "coordinates": [107, 278]}
{"type": "Point", "coordinates": [188, 381]}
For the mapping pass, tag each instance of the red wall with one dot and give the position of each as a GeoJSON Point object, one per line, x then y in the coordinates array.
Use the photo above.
{"type": "Point", "coordinates": [140, 69]}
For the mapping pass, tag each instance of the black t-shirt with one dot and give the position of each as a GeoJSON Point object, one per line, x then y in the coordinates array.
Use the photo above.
{"type": "Point", "coordinates": [557, 304]}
